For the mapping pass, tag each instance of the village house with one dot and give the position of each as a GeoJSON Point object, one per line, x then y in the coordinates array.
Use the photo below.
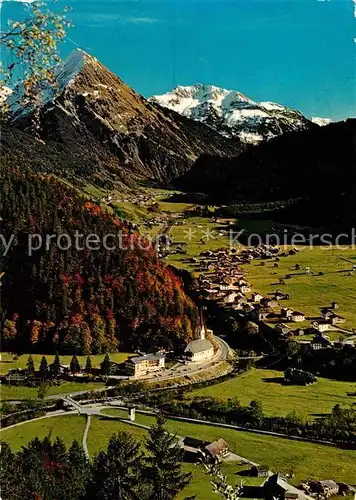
{"type": "Point", "coordinates": [268, 302]}
{"type": "Point", "coordinates": [276, 488]}
{"type": "Point", "coordinates": [297, 316]}
{"type": "Point", "coordinates": [16, 376]}
{"type": "Point", "coordinates": [142, 365]}
{"type": "Point", "coordinates": [247, 307]}
{"type": "Point", "coordinates": [327, 488]}
{"type": "Point", "coordinates": [230, 298]}
{"type": "Point", "coordinates": [321, 326]}
{"type": "Point", "coordinates": [256, 297]}
{"type": "Point", "coordinates": [63, 369]}
{"type": "Point", "coordinates": [245, 288]}
{"type": "Point", "coordinates": [286, 312]}
{"type": "Point", "coordinates": [320, 342]}
{"type": "Point", "coordinates": [283, 329]}
{"type": "Point", "coordinates": [217, 450]}
{"type": "Point", "coordinates": [335, 319]}
{"type": "Point", "coordinates": [326, 313]}
{"type": "Point", "coordinates": [259, 314]}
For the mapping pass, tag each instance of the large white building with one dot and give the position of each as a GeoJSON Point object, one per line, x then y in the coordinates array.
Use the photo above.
{"type": "Point", "coordinates": [143, 365]}
{"type": "Point", "coordinates": [200, 350]}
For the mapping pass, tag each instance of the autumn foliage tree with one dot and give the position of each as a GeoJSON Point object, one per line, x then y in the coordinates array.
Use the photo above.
{"type": "Point", "coordinates": [31, 49]}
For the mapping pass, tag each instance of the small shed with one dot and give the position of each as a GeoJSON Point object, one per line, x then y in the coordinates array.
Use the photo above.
{"type": "Point", "coordinates": [259, 471]}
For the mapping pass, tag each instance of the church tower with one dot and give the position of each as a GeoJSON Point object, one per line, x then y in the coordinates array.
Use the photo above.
{"type": "Point", "coordinates": [202, 326]}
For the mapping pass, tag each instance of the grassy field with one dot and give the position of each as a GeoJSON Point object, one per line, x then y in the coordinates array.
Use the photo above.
{"type": "Point", "coordinates": [101, 430]}
{"type": "Point", "coordinates": [22, 392]}
{"type": "Point", "coordinates": [306, 460]}
{"type": "Point", "coordinates": [310, 293]}
{"type": "Point", "coordinates": [278, 399]}
{"type": "Point", "coordinates": [68, 427]}
{"type": "Point", "coordinates": [9, 361]}
{"type": "Point", "coordinates": [201, 235]}
{"type": "Point", "coordinates": [201, 486]}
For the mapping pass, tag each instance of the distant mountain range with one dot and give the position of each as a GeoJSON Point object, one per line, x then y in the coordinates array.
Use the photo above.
{"type": "Point", "coordinates": [101, 131]}
{"type": "Point", "coordinates": [232, 114]}
{"type": "Point", "coordinates": [96, 130]}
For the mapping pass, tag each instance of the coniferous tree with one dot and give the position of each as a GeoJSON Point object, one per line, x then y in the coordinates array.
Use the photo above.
{"type": "Point", "coordinates": [9, 477]}
{"type": "Point", "coordinates": [42, 390]}
{"type": "Point", "coordinates": [43, 371]}
{"type": "Point", "coordinates": [162, 470]}
{"type": "Point", "coordinates": [105, 365]}
{"type": "Point", "coordinates": [74, 365]}
{"type": "Point", "coordinates": [78, 472]}
{"type": "Point", "coordinates": [56, 366]}
{"type": "Point", "coordinates": [58, 452]}
{"type": "Point", "coordinates": [117, 471]}
{"type": "Point", "coordinates": [30, 366]}
{"type": "Point", "coordinates": [88, 366]}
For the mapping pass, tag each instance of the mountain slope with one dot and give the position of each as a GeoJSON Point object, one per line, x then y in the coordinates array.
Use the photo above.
{"type": "Point", "coordinates": [74, 297]}
{"type": "Point", "coordinates": [317, 165]}
{"type": "Point", "coordinates": [100, 120]}
{"type": "Point", "coordinates": [231, 113]}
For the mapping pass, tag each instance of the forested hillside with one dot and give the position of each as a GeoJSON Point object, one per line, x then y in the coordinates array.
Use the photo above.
{"type": "Point", "coordinates": [317, 165]}
{"type": "Point", "coordinates": [82, 301]}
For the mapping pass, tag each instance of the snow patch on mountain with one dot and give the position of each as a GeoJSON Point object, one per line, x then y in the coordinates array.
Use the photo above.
{"type": "Point", "coordinates": [20, 106]}
{"type": "Point", "coordinates": [232, 113]}
{"type": "Point", "coordinates": [321, 121]}
{"type": "Point", "coordinates": [4, 93]}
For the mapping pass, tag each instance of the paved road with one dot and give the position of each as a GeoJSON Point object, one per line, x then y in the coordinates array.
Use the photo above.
{"type": "Point", "coordinates": [85, 437]}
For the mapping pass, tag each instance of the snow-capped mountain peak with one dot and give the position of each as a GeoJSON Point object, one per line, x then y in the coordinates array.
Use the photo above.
{"type": "Point", "coordinates": [232, 113]}
{"type": "Point", "coordinates": [65, 74]}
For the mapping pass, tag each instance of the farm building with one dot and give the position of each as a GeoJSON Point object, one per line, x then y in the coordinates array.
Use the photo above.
{"type": "Point", "coordinates": [297, 316]}
{"type": "Point", "coordinates": [217, 450]}
{"type": "Point", "coordinates": [259, 471]}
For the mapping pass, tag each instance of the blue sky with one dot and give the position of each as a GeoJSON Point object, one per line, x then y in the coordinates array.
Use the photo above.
{"type": "Point", "coordinates": [299, 53]}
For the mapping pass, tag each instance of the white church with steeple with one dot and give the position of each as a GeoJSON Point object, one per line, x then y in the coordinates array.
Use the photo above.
{"type": "Point", "coordinates": [198, 351]}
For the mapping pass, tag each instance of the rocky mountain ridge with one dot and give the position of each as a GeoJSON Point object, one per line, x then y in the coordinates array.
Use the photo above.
{"type": "Point", "coordinates": [233, 114]}
{"type": "Point", "coordinates": [116, 134]}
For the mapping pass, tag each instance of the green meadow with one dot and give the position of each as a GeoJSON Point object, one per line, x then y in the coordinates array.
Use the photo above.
{"type": "Point", "coordinates": [9, 361]}
{"type": "Point", "coordinates": [68, 427]}
{"type": "Point", "coordinates": [278, 399]}
{"type": "Point", "coordinates": [309, 293]}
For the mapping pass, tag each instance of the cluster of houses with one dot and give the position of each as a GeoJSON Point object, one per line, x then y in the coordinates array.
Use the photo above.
{"type": "Point", "coordinates": [222, 280]}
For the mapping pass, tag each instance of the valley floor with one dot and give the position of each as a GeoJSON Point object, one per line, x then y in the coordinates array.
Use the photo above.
{"type": "Point", "coordinates": [304, 460]}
